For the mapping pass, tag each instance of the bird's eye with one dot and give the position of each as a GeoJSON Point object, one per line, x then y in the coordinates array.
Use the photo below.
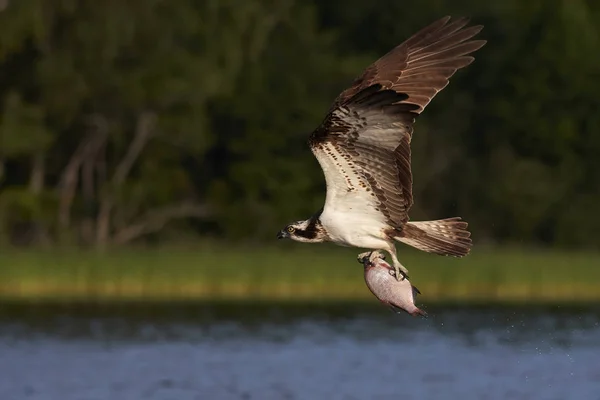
{"type": "Point", "coordinates": [291, 229]}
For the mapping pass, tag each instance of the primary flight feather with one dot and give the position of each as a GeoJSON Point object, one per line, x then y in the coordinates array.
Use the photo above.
{"type": "Point", "coordinates": [363, 148]}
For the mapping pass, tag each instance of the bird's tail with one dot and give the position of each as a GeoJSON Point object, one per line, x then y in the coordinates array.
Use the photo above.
{"type": "Point", "coordinates": [446, 237]}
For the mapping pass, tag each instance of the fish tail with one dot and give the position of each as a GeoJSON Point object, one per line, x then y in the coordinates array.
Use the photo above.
{"type": "Point", "coordinates": [418, 312]}
{"type": "Point", "coordinates": [415, 312]}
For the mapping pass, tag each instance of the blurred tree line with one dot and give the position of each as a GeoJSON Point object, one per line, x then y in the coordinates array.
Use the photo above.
{"type": "Point", "coordinates": [120, 119]}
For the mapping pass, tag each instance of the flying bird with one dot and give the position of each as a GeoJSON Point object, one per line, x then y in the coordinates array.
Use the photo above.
{"type": "Point", "coordinates": [363, 148]}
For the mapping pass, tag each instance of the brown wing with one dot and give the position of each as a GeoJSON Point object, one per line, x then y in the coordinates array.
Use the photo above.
{"type": "Point", "coordinates": [421, 66]}
{"type": "Point", "coordinates": [368, 130]}
{"type": "Point", "coordinates": [363, 148]}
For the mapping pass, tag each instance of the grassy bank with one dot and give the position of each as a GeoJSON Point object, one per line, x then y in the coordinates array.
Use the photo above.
{"type": "Point", "coordinates": [292, 272]}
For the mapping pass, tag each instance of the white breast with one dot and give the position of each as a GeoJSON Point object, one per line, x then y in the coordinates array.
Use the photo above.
{"type": "Point", "coordinates": [351, 215]}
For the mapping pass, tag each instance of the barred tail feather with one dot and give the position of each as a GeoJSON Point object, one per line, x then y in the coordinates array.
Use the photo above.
{"type": "Point", "coordinates": [446, 237]}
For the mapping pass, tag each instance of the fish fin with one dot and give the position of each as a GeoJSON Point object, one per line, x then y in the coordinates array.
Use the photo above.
{"type": "Point", "coordinates": [415, 291]}
{"type": "Point", "coordinates": [396, 309]}
{"type": "Point", "coordinates": [418, 311]}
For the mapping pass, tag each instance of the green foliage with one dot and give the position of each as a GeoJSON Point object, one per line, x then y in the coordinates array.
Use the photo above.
{"type": "Point", "coordinates": [117, 118]}
{"type": "Point", "coordinates": [211, 272]}
{"type": "Point", "coordinates": [28, 121]}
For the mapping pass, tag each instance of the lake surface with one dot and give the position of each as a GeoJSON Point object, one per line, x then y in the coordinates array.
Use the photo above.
{"type": "Point", "coordinates": [298, 352]}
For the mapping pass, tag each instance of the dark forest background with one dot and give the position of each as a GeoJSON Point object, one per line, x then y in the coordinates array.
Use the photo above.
{"type": "Point", "coordinates": [134, 121]}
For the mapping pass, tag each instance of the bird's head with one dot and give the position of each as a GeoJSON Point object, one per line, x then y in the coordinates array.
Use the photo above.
{"type": "Point", "coordinates": [309, 231]}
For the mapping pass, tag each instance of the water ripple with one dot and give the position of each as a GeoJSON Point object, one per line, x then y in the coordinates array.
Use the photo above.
{"type": "Point", "coordinates": [455, 354]}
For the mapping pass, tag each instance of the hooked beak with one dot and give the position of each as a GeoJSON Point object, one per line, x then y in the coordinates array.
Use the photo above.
{"type": "Point", "coordinates": [282, 234]}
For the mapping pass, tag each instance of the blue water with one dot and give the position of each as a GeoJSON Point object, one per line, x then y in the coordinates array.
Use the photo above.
{"type": "Point", "coordinates": [454, 354]}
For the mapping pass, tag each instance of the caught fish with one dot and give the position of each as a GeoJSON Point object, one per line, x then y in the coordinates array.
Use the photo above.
{"type": "Point", "coordinates": [380, 278]}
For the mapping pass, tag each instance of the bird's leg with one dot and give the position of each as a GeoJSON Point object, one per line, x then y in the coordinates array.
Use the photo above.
{"type": "Point", "coordinates": [376, 254]}
{"type": "Point", "coordinates": [401, 271]}
{"type": "Point", "coordinates": [370, 255]}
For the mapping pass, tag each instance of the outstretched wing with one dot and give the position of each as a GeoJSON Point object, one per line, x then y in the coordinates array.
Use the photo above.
{"type": "Point", "coordinates": [421, 66]}
{"type": "Point", "coordinates": [363, 145]}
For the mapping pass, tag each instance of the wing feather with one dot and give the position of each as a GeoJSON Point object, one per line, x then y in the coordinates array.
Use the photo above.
{"type": "Point", "coordinates": [363, 145]}
{"type": "Point", "coordinates": [437, 50]}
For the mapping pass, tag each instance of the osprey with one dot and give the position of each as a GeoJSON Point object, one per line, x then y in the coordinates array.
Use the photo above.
{"type": "Point", "coordinates": [363, 148]}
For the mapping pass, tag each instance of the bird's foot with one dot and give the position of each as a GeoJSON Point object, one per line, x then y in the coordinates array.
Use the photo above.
{"type": "Point", "coordinates": [401, 272]}
{"type": "Point", "coordinates": [363, 257]}
{"type": "Point", "coordinates": [370, 256]}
